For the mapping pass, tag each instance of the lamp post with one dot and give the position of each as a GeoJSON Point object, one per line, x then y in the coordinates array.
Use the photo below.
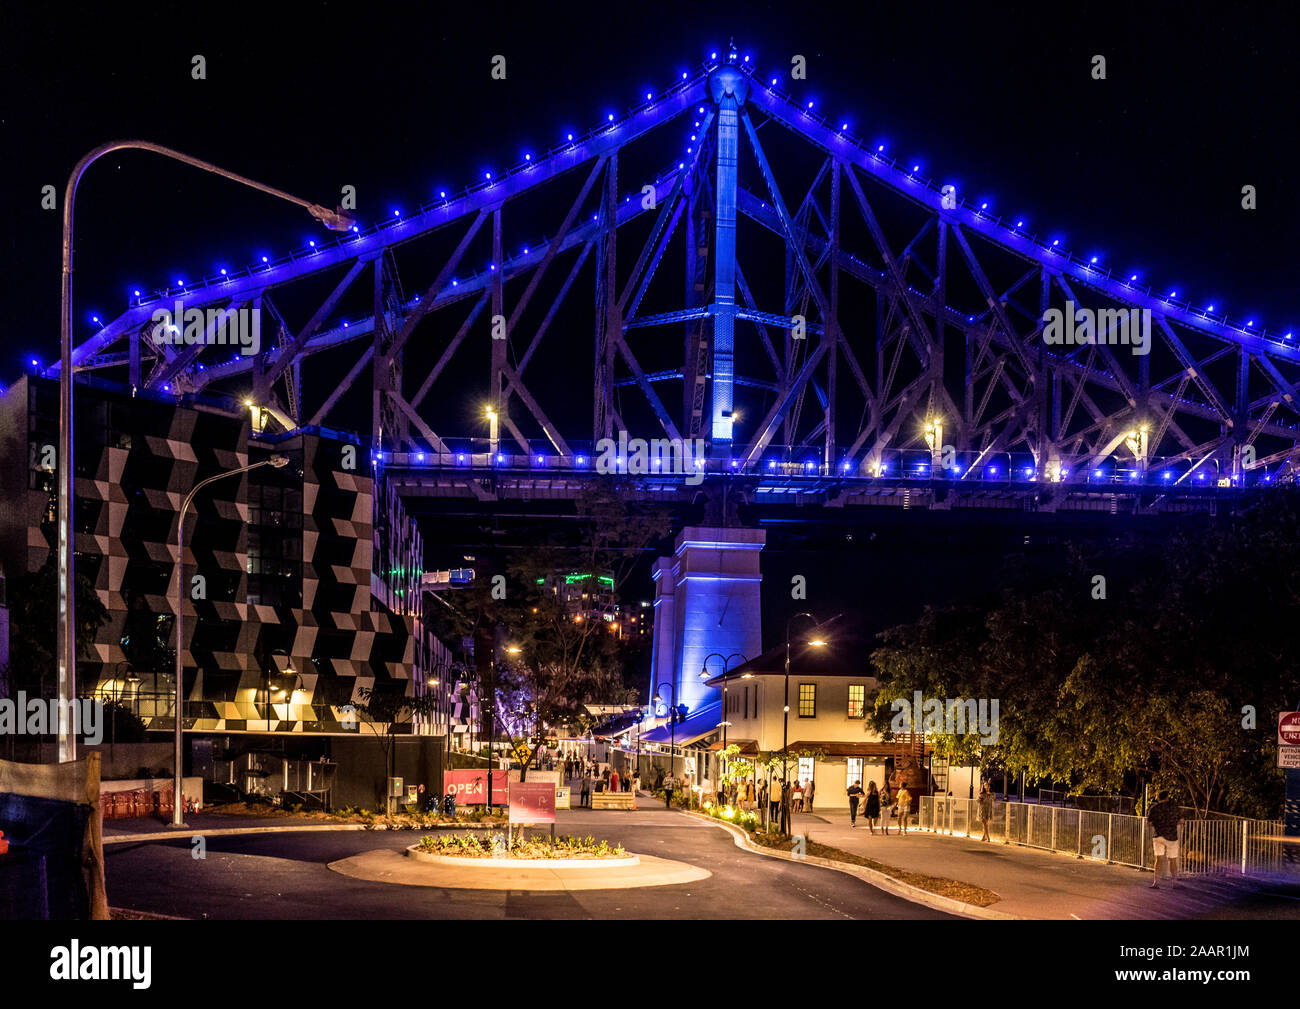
{"type": "Point", "coordinates": [178, 801]}
{"type": "Point", "coordinates": [672, 725]}
{"type": "Point", "coordinates": [442, 678]}
{"type": "Point", "coordinates": [785, 722]}
{"type": "Point", "coordinates": [66, 643]}
{"type": "Point", "coordinates": [704, 675]}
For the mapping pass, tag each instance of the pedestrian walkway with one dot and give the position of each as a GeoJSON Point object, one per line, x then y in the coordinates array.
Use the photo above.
{"type": "Point", "coordinates": [1033, 883]}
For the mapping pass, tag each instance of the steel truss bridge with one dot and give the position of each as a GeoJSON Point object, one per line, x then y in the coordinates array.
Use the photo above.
{"type": "Point", "coordinates": [831, 324]}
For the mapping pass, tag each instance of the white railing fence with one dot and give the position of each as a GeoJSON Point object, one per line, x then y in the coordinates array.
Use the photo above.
{"type": "Point", "coordinates": [1240, 846]}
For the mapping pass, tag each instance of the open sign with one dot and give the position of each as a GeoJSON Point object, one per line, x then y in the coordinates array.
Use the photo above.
{"type": "Point", "coordinates": [470, 787]}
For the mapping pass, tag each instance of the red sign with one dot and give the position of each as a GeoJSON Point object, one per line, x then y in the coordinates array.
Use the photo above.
{"type": "Point", "coordinates": [470, 787]}
{"type": "Point", "coordinates": [1288, 728]}
{"type": "Point", "coordinates": [532, 802]}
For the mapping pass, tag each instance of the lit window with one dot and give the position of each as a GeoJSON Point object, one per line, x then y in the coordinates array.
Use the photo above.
{"type": "Point", "coordinates": [807, 700]}
{"type": "Point", "coordinates": [857, 700]}
{"type": "Point", "coordinates": [854, 770]}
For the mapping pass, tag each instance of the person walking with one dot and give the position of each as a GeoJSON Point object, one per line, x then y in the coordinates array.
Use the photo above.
{"type": "Point", "coordinates": [785, 807]}
{"type": "Point", "coordinates": [855, 796]}
{"type": "Point", "coordinates": [774, 803]}
{"type": "Point", "coordinates": [986, 808]}
{"type": "Point", "coordinates": [1165, 818]}
{"type": "Point", "coordinates": [584, 798]}
{"type": "Point", "coordinates": [886, 804]}
{"type": "Point", "coordinates": [808, 794]}
{"type": "Point", "coordinates": [871, 812]}
{"type": "Point", "coordinates": [613, 781]}
{"type": "Point", "coordinates": [903, 800]}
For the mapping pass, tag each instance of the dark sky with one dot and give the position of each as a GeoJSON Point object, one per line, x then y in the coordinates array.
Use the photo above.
{"type": "Point", "coordinates": [1145, 168]}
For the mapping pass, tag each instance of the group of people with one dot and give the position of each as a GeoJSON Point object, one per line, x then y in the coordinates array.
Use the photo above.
{"type": "Point", "coordinates": [597, 779]}
{"type": "Point", "coordinates": [879, 806]}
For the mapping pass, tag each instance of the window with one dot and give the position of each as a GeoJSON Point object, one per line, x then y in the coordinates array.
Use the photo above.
{"type": "Point", "coordinates": [857, 700]}
{"type": "Point", "coordinates": [807, 700]}
{"type": "Point", "coordinates": [855, 771]}
{"type": "Point", "coordinates": [805, 769]}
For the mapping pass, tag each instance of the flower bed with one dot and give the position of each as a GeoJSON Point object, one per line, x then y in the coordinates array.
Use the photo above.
{"type": "Point", "coordinates": [496, 845]}
{"type": "Point", "coordinates": [746, 818]}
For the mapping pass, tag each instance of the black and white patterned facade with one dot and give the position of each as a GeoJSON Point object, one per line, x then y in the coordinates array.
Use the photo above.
{"type": "Point", "coordinates": [302, 584]}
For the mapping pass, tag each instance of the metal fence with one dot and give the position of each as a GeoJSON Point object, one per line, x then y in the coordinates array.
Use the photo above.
{"type": "Point", "coordinates": [1238, 846]}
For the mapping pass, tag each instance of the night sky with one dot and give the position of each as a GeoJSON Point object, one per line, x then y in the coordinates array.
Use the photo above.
{"type": "Point", "coordinates": [1144, 169]}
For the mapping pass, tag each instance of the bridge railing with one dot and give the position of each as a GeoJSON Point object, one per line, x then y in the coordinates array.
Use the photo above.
{"type": "Point", "coordinates": [799, 464]}
{"type": "Point", "coordinates": [1232, 846]}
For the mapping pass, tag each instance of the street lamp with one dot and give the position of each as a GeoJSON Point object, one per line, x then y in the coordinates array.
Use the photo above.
{"type": "Point", "coordinates": [704, 675]}
{"type": "Point", "coordinates": [785, 721]}
{"type": "Point", "coordinates": [178, 802]}
{"type": "Point", "coordinates": [672, 726]}
{"type": "Point", "coordinates": [445, 678]}
{"type": "Point", "coordinates": [66, 644]}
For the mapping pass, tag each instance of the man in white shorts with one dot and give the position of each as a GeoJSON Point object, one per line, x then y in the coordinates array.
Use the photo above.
{"type": "Point", "coordinates": [1165, 818]}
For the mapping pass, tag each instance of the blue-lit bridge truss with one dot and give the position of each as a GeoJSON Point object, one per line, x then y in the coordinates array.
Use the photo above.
{"type": "Point", "coordinates": [931, 370]}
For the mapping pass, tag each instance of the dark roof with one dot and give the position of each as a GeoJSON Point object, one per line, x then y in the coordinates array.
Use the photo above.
{"type": "Point", "coordinates": [846, 653]}
{"type": "Point", "coordinates": [698, 724]}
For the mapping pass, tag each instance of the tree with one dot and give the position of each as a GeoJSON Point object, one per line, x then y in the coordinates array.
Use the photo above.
{"type": "Point", "coordinates": [1173, 678]}
{"type": "Point", "coordinates": [556, 661]}
{"type": "Point", "coordinates": [388, 708]}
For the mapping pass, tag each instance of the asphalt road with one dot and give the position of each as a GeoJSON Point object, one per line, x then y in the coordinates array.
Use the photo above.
{"type": "Point", "coordinates": [286, 876]}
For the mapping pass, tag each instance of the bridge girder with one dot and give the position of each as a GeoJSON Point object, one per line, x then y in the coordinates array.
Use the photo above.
{"type": "Point", "coordinates": [952, 328]}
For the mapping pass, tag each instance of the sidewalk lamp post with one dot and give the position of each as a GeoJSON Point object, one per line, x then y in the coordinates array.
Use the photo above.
{"type": "Point", "coordinates": [178, 799]}
{"type": "Point", "coordinates": [785, 723]}
{"type": "Point", "coordinates": [66, 641]}
{"type": "Point", "coordinates": [443, 677]}
{"type": "Point", "coordinates": [726, 674]}
{"type": "Point", "coordinates": [673, 715]}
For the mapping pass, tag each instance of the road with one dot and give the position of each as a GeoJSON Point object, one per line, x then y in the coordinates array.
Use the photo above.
{"type": "Point", "coordinates": [286, 876]}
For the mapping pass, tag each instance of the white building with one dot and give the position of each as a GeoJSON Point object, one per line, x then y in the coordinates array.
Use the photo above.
{"type": "Point", "coordinates": [830, 697]}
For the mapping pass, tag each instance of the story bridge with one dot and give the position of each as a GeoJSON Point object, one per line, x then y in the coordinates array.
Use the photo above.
{"type": "Point", "coordinates": [725, 264]}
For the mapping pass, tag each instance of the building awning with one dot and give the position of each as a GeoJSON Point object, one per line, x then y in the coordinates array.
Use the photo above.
{"type": "Point", "coordinates": [840, 749]}
{"type": "Point", "coordinates": [697, 725]}
{"type": "Point", "coordinates": [748, 747]}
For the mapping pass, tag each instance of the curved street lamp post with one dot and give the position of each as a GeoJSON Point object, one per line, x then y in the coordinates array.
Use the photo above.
{"type": "Point", "coordinates": [704, 675]}
{"type": "Point", "coordinates": [178, 796]}
{"type": "Point", "coordinates": [785, 725]}
{"type": "Point", "coordinates": [66, 642]}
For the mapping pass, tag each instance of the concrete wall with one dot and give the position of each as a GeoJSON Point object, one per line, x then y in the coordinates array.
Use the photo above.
{"type": "Point", "coordinates": [706, 600]}
{"type": "Point", "coordinates": [122, 760]}
{"type": "Point", "coordinates": [361, 777]}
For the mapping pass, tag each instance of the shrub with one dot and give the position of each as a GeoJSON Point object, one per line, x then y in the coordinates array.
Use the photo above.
{"type": "Point", "coordinates": [489, 844]}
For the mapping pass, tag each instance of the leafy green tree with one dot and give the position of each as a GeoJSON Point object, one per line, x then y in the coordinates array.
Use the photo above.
{"type": "Point", "coordinates": [1174, 678]}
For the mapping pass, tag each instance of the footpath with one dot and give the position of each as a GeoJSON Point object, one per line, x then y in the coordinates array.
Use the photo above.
{"type": "Point", "coordinates": [1030, 882]}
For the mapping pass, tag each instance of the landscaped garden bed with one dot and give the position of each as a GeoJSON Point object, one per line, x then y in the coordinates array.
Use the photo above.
{"type": "Point", "coordinates": [518, 846]}
{"type": "Point", "coordinates": [469, 817]}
